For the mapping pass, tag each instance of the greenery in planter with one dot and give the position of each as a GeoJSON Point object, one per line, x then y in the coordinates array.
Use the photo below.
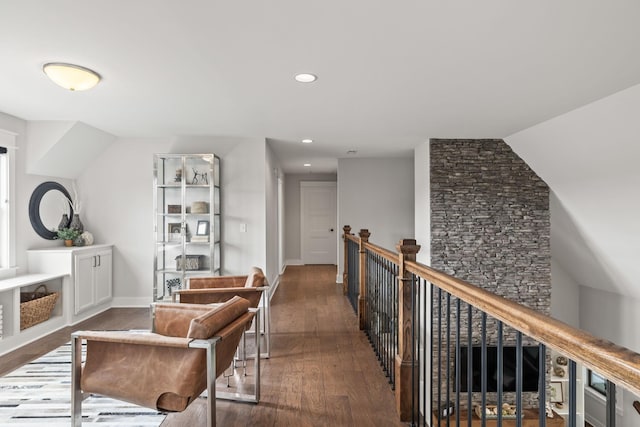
{"type": "Point", "coordinates": [67, 233]}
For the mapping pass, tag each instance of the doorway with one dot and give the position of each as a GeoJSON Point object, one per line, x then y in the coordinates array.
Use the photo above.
{"type": "Point", "coordinates": [318, 222]}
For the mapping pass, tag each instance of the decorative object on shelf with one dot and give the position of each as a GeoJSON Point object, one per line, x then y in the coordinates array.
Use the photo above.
{"type": "Point", "coordinates": [78, 241]}
{"type": "Point", "coordinates": [192, 262]}
{"type": "Point", "coordinates": [178, 177]}
{"type": "Point", "coordinates": [202, 180]}
{"type": "Point", "coordinates": [174, 209]}
{"type": "Point", "coordinates": [76, 224]}
{"type": "Point", "coordinates": [47, 198]}
{"type": "Point", "coordinates": [173, 284]}
{"type": "Point", "coordinates": [446, 410]}
{"type": "Point", "coordinates": [558, 371]}
{"type": "Point", "coordinates": [64, 222]}
{"type": "Point", "coordinates": [88, 238]}
{"type": "Point", "coordinates": [203, 228]}
{"type": "Point", "coordinates": [174, 229]}
{"type": "Point", "coordinates": [199, 207]}
{"type": "Point", "coordinates": [36, 306]}
{"type": "Point", "coordinates": [555, 392]}
{"type": "Point", "coordinates": [491, 411]}
{"type": "Point", "coordinates": [76, 207]}
{"type": "Point", "coordinates": [562, 361]}
{"type": "Point", "coordinates": [68, 235]}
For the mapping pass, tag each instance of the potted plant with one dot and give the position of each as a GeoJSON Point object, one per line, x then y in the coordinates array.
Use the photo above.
{"type": "Point", "coordinates": [68, 235]}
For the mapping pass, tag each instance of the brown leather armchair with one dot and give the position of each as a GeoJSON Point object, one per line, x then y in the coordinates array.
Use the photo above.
{"type": "Point", "coordinates": [189, 346]}
{"type": "Point", "coordinates": [216, 289]}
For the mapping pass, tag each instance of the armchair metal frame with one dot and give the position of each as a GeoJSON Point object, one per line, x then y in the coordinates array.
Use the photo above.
{"type": "Point", "coordinates": [77, 395]}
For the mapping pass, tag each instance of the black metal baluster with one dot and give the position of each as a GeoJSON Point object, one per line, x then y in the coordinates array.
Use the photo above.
{"type": "Point", "coordinates": [448, 356]}
{"type": "Point", "coordinates": [469, 365]}
{"type": "Point", "coordinates": [431, 348]}
{"type": "Point", "coordinates": [519, 410]}
{"type": "Point", "coordinates": [483, 362]}
{"type": "Point", "coordinates": [610, 393]}
{"type": "Point", "coordinates": [439, 385]}
{"type": "Point", "coordinates": [500, 381]}
{"type": "Point", "coordinates": [572, 394]}
{"type": "Point", "coordinates": [414, 346]}
{"type": "Point", "coordinates": [457, 362]}
{"type": "Point", "coordinates": [542, 385]}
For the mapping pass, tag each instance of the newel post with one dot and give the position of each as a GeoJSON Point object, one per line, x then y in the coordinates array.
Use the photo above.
{"type": "Point", "coordinates": [406, 369]}
{"type": "Point", "coordinates": [345, 273]}
{"type": "Point", "coordinates": [362, 297]}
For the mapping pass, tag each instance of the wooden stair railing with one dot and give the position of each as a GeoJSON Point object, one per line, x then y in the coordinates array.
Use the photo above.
{"type": "Point", "coordinates": [620, 365]}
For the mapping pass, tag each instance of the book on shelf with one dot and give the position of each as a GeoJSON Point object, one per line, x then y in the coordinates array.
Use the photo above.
{"type": "Point", "coordinates": [199, 239]}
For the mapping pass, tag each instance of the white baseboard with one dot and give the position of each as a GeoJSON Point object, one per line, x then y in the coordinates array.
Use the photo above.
{"type": "Point", "coordinates": [274, 287]}
{"type": "Point", "coordinates": [293, 262]}
{"type": "Point", "coordinates": [338, 278]}
{"type": "Point", "coordinates": [122, 302]}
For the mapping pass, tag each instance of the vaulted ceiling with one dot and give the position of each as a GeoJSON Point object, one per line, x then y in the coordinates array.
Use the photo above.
{"type": "Point", "coordinates": [390, 74]}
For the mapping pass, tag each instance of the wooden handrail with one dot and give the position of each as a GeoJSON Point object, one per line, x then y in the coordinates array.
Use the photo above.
{"type": "Point", "coordinates": [616, 363]}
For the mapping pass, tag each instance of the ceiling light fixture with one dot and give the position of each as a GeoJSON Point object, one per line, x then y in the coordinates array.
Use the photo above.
{"type": "Point", "coordinates": [306, 78]}
{"type": "Point", "coordinates": [352, 152]}
{"type": "Point", "coordinates": [71, 77]}
{"type": "Point", "coordinates": [307, 141]}
{"type": "Point", "coordinates": [307, 165]}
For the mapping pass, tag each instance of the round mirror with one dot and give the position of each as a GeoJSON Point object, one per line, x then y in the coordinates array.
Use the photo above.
{"type": "Point", "coordinates": [48, 203]}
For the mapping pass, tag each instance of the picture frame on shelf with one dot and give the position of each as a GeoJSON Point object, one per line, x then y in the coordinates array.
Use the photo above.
{"type": "Point", "coordinates": [174, 229]}
{"type": "Point", "coordinates": [203, 228]}
{"type": "Point", "coordinates": [556, 394]}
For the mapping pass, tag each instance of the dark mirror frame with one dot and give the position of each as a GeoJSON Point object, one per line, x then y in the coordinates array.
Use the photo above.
{"type": "Point", "coordinates": [34, 208]}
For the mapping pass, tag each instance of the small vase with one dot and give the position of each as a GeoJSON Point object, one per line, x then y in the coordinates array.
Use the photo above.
{"type": "Point", "coordinates": [68, 242]}
{"type": "Point", "coordinates": [76, 223]}
{"type": "Point", "coordinates": [64, 222]}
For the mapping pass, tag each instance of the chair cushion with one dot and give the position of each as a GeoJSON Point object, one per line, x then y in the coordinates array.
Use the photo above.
{"type": "Point", "coordinates": [206, 325]}
{"type": "Point", "coordinates": [255, 278]}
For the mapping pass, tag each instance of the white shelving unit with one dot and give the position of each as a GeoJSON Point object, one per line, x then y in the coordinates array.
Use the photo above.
{"type": "Point", "coordinates": [564, 382]}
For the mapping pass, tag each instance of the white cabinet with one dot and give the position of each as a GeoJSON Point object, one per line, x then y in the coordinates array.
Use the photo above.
{"type": "Point", "coordinates": [92, 278]}
{"type": "Point", "coordinates": [88, 271]}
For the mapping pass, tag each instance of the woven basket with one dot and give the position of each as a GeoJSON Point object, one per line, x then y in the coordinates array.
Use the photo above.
{"type": "Point", "coordinates": [36, 307]}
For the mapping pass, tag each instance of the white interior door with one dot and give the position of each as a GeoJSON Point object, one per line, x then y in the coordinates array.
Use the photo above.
{"type": "Point", "coordinates": [318, 210]}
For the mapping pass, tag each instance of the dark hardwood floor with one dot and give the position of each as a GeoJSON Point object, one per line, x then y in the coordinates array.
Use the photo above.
{"type": "Point", "coordinates": [322, 370]}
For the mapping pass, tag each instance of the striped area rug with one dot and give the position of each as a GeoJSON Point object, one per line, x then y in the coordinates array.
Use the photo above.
{"type": "Point", "coordinates": [39, 394]}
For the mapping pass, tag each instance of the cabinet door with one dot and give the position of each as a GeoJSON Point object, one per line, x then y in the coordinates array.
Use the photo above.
{"type": "Point", "coordinates": [102, 276]}
{"type": "Point", "coordinates": [83, 281]}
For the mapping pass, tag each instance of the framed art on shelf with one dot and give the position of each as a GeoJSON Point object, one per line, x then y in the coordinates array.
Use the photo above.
{"type": "Point", "coordinates": [556, 393]}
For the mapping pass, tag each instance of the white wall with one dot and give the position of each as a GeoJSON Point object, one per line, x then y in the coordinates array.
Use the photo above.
{"type": "Point", "coordinates": [606, 314]}
{"type": "Point", "coordinates": [589, 158]}
{"type": "Point", "coordinates": [117, 192]}
{"type": "Point", "coordinates": [272, 172]}
{"type": "Point", "coordinates": [376, 194]}
{"type": "Point", "coordinates": [292, 235]}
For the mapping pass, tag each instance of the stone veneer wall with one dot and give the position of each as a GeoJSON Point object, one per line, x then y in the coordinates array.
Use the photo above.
{"type": "Point", "coordinates": [490, 226]}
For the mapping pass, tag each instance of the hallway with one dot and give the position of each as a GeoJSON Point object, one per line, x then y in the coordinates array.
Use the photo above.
{"type": "Point", "coordinates": [322, 370]}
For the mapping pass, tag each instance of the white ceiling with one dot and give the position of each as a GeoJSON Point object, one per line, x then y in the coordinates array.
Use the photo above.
{"type": "Point", "coordinates": [392, 74]}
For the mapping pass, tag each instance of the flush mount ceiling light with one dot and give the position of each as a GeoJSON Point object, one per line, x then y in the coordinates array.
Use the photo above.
{"type": "Point", "coordinates": [307, 141]}
{"type": "Point", "coordinates": [71, 77]}
{"type": "Point", "coordinates": [306, 78]}
{"type": "Point", "coordinates": [307, 165]}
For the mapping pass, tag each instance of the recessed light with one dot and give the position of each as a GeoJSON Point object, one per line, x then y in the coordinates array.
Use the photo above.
{"type": "Point", "coordinates": [307, 141]}
{"type": "Point", "coordinates": [306, 78]}
{"type": "Point", "coordinates": [307, 165]}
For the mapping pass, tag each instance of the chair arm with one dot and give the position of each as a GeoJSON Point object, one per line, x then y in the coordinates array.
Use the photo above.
{"type": "Point", "coordinates": [216, 282]}
{"type": "Point", "coordinates": [212, 295]}
{"type": "Point", "coordinates": [137, 337]}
